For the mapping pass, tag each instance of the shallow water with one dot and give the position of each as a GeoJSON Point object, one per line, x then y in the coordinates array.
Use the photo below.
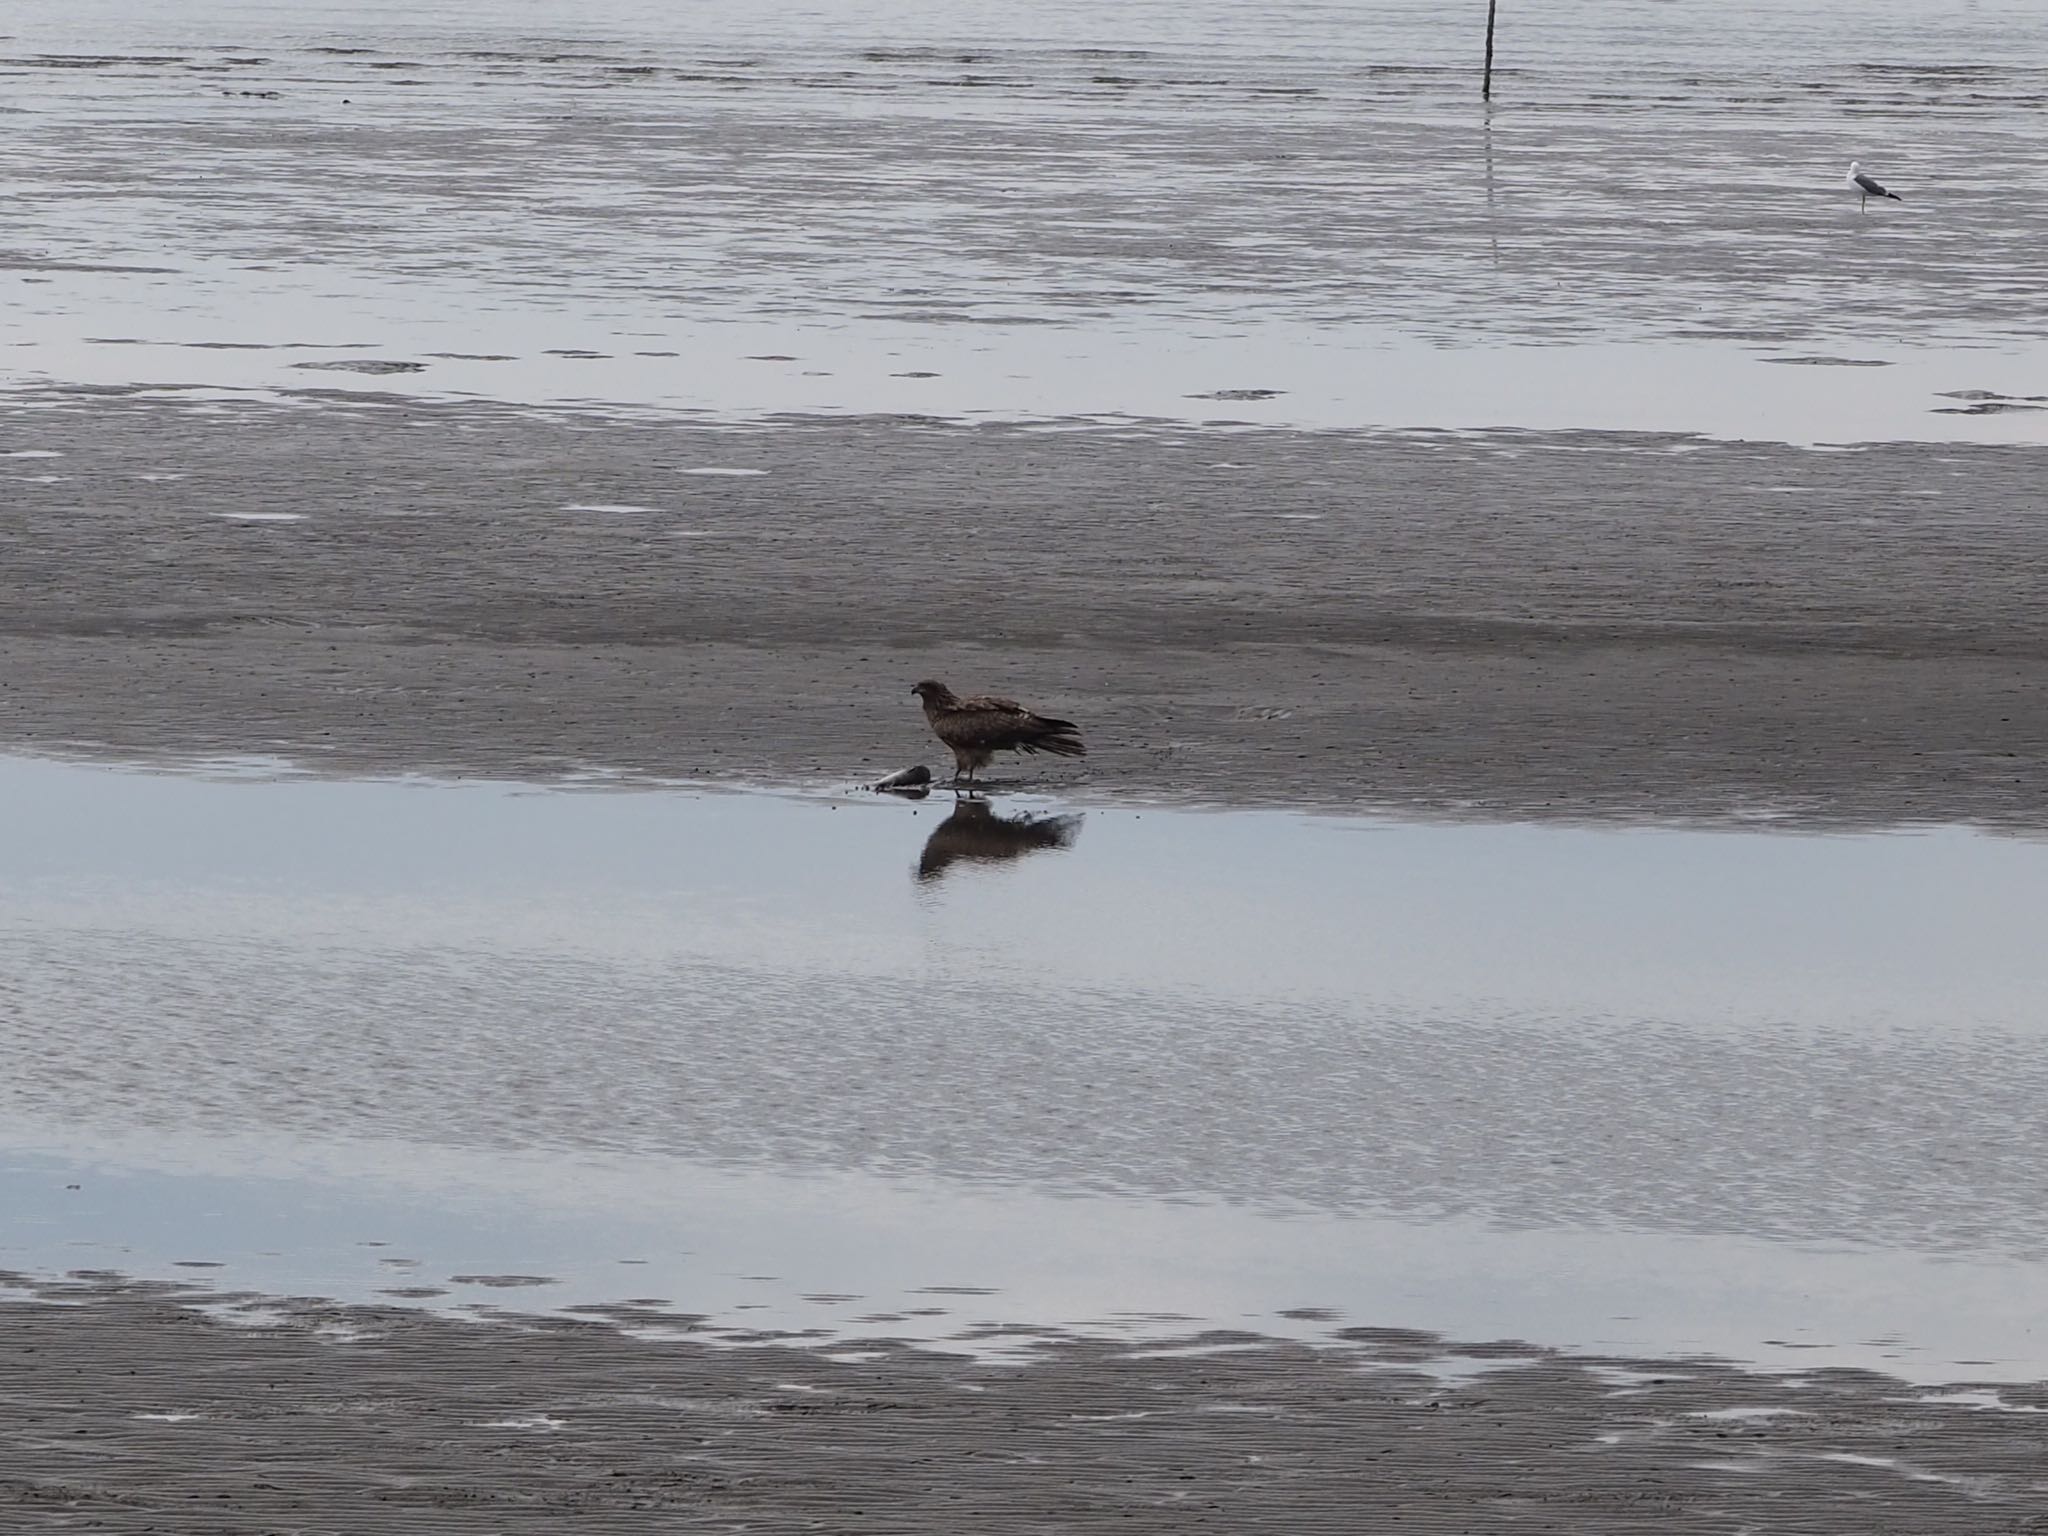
{"type": "Point", "coordinates": [1765, 1095]}
{"type": "Point", "coordinates": [1068, 209]}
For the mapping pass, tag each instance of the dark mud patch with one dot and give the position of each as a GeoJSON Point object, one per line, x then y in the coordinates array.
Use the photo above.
{"type": "Point", "coordinates": [38, 264]}
{"type": "Point", "coordinates": [1988, 402]}
{"type": "Point", "coordinates": [366, 365]}
{"type": "Point", "coordinates": [503, 1282]}
{"type": "Point", "coordinates": [99, 60]}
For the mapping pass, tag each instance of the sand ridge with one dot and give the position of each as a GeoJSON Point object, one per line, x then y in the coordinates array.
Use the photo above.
{"type": "Point", "coordinates": [1492, 624]}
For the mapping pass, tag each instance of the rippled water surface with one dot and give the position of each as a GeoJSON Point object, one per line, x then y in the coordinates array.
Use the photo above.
{"type": "Point", "coordinates": [1298, 214]}
{"type": "Point", "coordinates": [1756, 1093]}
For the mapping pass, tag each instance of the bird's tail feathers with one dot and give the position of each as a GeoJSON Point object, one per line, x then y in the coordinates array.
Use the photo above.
{"type": "Point", "coordinates": [1062, 738]}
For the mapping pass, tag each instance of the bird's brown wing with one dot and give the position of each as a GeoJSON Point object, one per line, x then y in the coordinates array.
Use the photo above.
{"type": "Point", "coordinates": [1004, 725]}
{"type": "Point", "coordinates": [989, 724]}
{"type": "Point", "coordinates": [994, 705]}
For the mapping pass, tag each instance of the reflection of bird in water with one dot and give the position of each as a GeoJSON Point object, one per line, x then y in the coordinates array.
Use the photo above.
{"type": "Point", "coordinates": [977, 729]}
{"type": "Point", "coordinates": [975, 832]}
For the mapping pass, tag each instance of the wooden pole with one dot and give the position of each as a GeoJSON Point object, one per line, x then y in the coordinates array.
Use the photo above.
{"type": "Point", "coordinates": [1486, 80]}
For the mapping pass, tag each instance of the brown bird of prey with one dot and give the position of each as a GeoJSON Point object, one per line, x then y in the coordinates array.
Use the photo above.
{"type": "Point", "coordinates": [977, 729]}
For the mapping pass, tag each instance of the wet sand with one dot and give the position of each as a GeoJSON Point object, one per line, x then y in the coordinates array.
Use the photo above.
{"type": "Point", "coordinates": [1504, 624]}
{"type": "Point", "coordinates": [147, 1416]}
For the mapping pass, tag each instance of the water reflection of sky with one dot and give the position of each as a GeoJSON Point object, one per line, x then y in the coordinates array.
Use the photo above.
{"type": "Point", "coordinates": [850, 1256]}
{"type": "Point", "coordinates": [1625, 1088]}
{"type": "Point", "coordinates": [1060, 210]}
{"type": "Point", "coordinates": [1929, 930]}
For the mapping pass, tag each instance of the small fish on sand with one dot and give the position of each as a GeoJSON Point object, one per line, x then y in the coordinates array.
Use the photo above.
{"type": "Point", "coordinates": [914, 781]}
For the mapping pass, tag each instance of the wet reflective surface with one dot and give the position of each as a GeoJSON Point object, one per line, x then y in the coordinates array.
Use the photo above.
{"type": "Point", "coordinates": [1767, 1095]}
{"type": "Point", "coordinates": [1150, 210]}
{"type": "Point", "coordinates": [975, 832]}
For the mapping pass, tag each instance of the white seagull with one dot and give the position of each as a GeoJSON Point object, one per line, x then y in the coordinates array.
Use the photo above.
{"type": "Point", "coordinates": [1867, 187]}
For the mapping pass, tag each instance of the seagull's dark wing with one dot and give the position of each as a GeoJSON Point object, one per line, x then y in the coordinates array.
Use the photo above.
{"type": "Point", "coordinates": [1871, 185]}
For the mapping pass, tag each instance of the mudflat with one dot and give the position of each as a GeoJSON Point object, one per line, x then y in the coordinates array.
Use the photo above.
{"type": "Point", "coordinates": [1486, 622]}
{"type": "Point", "coordinates": [148, 1416]}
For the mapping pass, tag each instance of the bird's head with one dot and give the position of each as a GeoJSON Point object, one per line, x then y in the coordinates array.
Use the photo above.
{"type": "Point", "coordinates": [930, 690]}
{"type": "Point", "coordinates": [1855, 166]}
